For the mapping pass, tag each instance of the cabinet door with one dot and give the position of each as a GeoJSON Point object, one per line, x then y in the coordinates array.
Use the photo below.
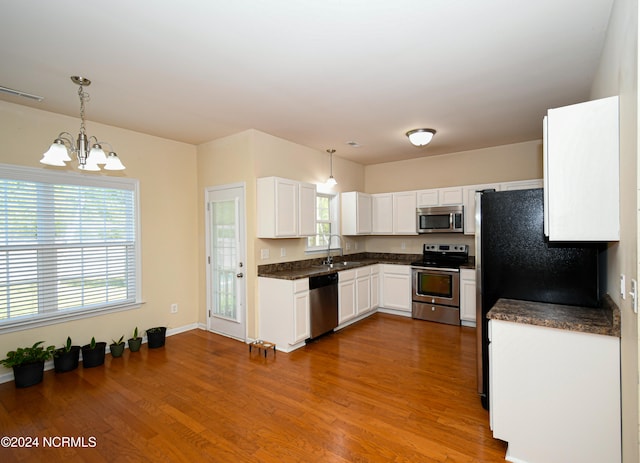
{"type": "Point", "coordinates": [375, 286]}
{"type": "Point", "coordinates": [404, 213]}
{"type": "Point", "coordinates": [346, 296]}
{"type": "Point", "coordinates": [582, 171]}
{"type": "Point", "coordinates": [428, 198]}
{"type": "Point", "coordinates": [356, 213]}
{"type": "Point", "coordinates": [468, 295]}
{"type": "Point", "coordinates": [396, 287]}
{"type": "Point", "coordinates": [286, 207]}
{"type": "Point", "coordinates": [382, 210]}
{"type": "Point", "coordinates": [307, 210]}
{"type": "Point", "coordinates": [451, 196]}
{"type": "Point", "coordinates": [301, 330]}
{"type": "Point", "coordinates": [363, 290]}
{"type": "Point", "coordinates": [521, 185]}
{"type": "Point", "coordinates": [470, 205]}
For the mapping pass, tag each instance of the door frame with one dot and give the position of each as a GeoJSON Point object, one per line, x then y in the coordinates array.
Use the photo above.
{"type": "Point", "coordinates": [243, 248]}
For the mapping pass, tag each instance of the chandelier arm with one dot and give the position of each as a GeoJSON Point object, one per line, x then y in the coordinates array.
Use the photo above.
{"type": "Point", "coordinates": [67, 138]}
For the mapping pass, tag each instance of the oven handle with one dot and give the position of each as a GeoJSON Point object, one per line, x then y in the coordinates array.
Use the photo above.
{"type": "Point", "coordinates": [437, 269]}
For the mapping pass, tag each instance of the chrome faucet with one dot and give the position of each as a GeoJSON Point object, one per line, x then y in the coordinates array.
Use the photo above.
{"type": "Point", "coordinates": [329, 260]}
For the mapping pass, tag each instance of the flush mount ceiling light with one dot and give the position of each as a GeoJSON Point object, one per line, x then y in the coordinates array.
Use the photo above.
{"type": "Point", "coordinates": [420, 137]}
{"type": "Point", "coordinates": [331, 181]}
{"type": "Point", "coordinates": [89, 157]}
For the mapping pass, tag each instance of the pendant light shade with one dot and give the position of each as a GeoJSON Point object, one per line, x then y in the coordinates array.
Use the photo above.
{"type": "Point", "coordinates": [420, 137]}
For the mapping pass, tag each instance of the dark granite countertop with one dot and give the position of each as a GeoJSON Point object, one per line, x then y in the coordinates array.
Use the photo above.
{"type": "Point", "coordinates": [605, 320]}
{"type": "Point", "coordinates": [313, 267]}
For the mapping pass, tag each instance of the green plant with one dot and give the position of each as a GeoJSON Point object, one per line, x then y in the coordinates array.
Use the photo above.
{"type": "Point", "coordinates": [135, 333]}
{"type": "Point", "coordinates": [119, 341]}
{"type": "Point", "coordinates": [92, 344]}
{"type": "Point", "coordinates": [67, 347]}
{"type": "Point", "coordinates": [23, 355]}
{"type": "Point", "coordinates": [156, 329]}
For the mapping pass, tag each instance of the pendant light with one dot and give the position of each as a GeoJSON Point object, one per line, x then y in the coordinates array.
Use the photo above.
{"type": "Point", "coordinates": [331, 182]}
{"type": "Point", "coordinates": [87, 150]}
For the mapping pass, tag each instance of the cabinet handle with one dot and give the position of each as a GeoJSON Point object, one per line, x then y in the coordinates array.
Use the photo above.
{"type": "Point", "coordinates": [239, 275]}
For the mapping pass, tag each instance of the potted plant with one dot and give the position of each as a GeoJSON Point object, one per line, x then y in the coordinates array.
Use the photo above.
{"type": "Point", "coordinates": [117, 347]}
{"type": "Point", "coordinates": [135, 342]}
{"type": "Point", "coordinates": [93, 353]}
{"type": "Point", "coordinates": [28, 363]}
{"type": "Point", "coordinates": [66, 358]}
{"type": "Point", "coordinates": [156, 336]}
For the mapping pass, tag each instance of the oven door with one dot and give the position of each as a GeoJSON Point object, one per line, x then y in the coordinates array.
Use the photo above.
{"type": "Point", "coordinates": [436, 286]}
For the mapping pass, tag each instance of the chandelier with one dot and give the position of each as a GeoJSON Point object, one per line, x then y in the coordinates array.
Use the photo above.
{"type": "Point", "coordinates": [420, 137]}
{"type": "Point", "coordinates": [331, 182]}
{"type": "Point", "coordinates": [87, 150]}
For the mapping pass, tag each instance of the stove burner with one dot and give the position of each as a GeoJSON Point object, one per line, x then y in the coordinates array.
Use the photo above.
{"type": "Point", "coordinates": [443, 255]}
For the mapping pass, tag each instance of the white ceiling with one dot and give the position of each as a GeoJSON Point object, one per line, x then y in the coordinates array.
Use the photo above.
{"type": "Point", "coordinates": [317, 72]}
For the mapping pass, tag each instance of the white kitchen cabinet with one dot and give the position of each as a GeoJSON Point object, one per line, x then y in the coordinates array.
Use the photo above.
{"type": "Point", "coordinates": [555, 394]}
{"type": "Point", "coordinates": [440, 197]}
{"type": "Point", "coordinates": [363, 290]}
{"type": "Point", "coordinates": [283, 312]}
{"type": "Point", "coordinates": [522, 185]}
{"type": "Point", "coordinates": [468, 296]}
{"type": "Point", "coordinates": [307, 210]}
{"type": "Point", "coordinates": [396, 287]}
{"type": "Point", "coordinates": [375, 286]}
{"type": "Point", "coordinates": [346, 295]}
{"type": "Point", "coordinates": [469, 193]}
{"type": "Point", "coordinates": [404, 213]}
{"type": "Point", "coordinates": [286, 208]}
{"type": "Point", "coordinates": [581, 172]}
{"type": "Point", "coordinates": [356, 213]}
{"type": "Point", "coordinates": [382, 213]}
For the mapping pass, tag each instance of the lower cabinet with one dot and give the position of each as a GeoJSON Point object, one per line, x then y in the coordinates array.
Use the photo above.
{"type": "Point", "coordinates": [363, 290]}
{"type": "Point", "coordinates": [468, 296]}
{"type": "Point", "coordinates": [396, 287]}
{"type": "Point", "coordinates": [283, 312]}
{"type": "Point", "coordinates": [554, 394]}
{"type": "Point", "coordinates": [346, 295]}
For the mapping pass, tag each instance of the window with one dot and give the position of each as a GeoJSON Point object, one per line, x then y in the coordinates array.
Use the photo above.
{"type": "Point", "coordinates": [68, 246]}
{"type": "Point", "coordinates": [326, 221]}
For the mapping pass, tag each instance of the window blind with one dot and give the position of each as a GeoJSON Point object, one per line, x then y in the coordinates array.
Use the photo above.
{"type": "Point", "coordinates": [65, 245]}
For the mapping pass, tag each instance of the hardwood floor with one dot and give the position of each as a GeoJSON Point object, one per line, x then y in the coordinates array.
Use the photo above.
{"type": "Point", "coordinates": [387, 389]}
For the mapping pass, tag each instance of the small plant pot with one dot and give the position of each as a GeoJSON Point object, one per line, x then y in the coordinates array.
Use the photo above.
{"type": "Point", "coordinates": [156, 337]}
{"type": "Point", "coordinates": [64, 361]}
{"type": "Point", "coordinates": [93, 357]}
{"type": "Point", "coordinates": [116, 349]}
{"type": "Point", "coordinates": [134, 344]}
{"type": "Point", "coordinates": [28, 374]}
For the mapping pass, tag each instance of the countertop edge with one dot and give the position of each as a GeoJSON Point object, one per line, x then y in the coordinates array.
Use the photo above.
{"type": "Point", "coordinates": [605, 320]}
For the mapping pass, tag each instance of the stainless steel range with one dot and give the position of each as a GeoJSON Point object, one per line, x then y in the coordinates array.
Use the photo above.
{"type": "Point", "coordinates": [436, 283]}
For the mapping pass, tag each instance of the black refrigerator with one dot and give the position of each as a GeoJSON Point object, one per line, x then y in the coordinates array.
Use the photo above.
{"type": "Point", "coordinates": [514, 260]}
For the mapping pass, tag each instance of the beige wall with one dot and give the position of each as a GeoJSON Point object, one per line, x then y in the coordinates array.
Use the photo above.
{"type": "Point", "coordinates": [618, 75]}
{"type": "Point", "coordinates": [519, 161]}
{"type": "Point", "coordinates": [166, 170]}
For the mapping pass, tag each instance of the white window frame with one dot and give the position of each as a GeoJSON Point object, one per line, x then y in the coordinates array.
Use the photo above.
{"type": "Point", "coordinates": [334, 199]}
{"type": "Point", "coordinates": [31, 174]}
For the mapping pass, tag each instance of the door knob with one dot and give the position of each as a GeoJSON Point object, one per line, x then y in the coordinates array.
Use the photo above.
{"type": "Point", "coordinates": [239, 275]}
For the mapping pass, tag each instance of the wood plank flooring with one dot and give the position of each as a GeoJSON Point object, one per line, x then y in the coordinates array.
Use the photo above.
{"type": "Point", "coordinates": [386, 389]}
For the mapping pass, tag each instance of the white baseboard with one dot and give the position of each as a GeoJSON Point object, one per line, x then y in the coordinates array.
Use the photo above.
{"type": "Point", "coordinates": [48, 365]}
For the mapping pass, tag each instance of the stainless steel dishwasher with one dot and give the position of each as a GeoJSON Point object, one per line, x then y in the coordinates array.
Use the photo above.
{"type": "Point", "coordinates": [323, 301]}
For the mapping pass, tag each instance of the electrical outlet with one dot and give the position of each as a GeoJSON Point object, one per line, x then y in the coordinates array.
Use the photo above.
{"type": "Point", "coordinates": [283, 252]}
{"type": "Point", "coordinates": [623, 291]}
{"type": "Point", "coordinates": [264, 253]}
{"type": "Point", "coordinates": [403, 245]}
{"type": "Point", "coordinates": [634, 295]}
{"type": "Point", "coordinates": [174, 308]}
{"type": "Point", "coordinates": [347, 245]}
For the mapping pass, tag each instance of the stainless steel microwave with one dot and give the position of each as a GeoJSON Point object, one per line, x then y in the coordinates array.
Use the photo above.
{"type": "Point", "coordinates": [442, 219]}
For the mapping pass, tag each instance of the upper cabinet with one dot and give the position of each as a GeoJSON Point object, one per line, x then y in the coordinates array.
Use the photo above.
{"type": "Point", "coordinates": [581, 172]}
{"type": "Point", "coordinates": [469, 192]}
{"type": "Point", "coordinates": [286, 208]}
{"type": "Point", "coordinates": [439, 197]}
{"type": "Point", "coordinates": [356, 213]}
{"type": "Point", "coordinates": [404, 213]}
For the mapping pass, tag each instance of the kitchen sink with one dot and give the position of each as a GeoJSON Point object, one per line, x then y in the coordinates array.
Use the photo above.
{"type": "Point", "coordinates": [338, 265]}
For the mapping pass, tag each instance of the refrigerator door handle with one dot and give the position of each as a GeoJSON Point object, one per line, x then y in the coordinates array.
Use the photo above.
{"type": "Point", "coordinates": [479, 320]}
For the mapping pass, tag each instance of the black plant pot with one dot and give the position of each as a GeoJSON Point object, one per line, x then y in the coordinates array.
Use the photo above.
{"type": "Point", "coordinates": [66, 361]}
{"type": "Point", "coordinates": [134, 344]}
{"type": "Point", "coordinates": [116, 349]}
{"type": "Point", "coordinates": [93, 357]}
{"type": "Point", "coordinates": [28, 374]}
{"type": "Point", "coordinates": [156, 337]}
